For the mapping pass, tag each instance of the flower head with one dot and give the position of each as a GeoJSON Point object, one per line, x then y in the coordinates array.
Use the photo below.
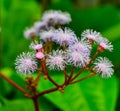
{"type": "Point", "coordinates": [90, 35]}
{"type": "Point", "coordinates": [104, 44]}
{"type": "Point", "coordinates": [77, 58]}
{"type": "Point", "coordinates": [82, 46]}
{"type": "Point", "coordinates": [25, 63]}
{"type": "Point", "coordinates": [47, 35]}
{"type": "Point", "coordinates": [56, 60]}
{"type": "Point", "coordinates": [65, 37]}
{"type": "Point", "coordinates": [56, 17]}
{"type": "Point", "coordinates": [39, 26]}
{"type": "Point", "coordinates": [29, 33]}
{"type": "Point", "coordinates": [63, 18]}
{"type": "Point", "coordinates": [104, 67]}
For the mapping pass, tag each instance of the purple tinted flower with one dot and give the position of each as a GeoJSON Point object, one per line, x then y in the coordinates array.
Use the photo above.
{"type": "Point", "coordinates": [25, 63]}
{"type": "Point", "coordinates": [104, 67]}
{"type": "Point", "coordinates": [64, 37]}
{"type": "Point", "coordinates": [56, 60]}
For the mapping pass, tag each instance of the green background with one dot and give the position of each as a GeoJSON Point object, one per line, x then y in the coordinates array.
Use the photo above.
{"type": "Point", "coordinates": [95, 94]}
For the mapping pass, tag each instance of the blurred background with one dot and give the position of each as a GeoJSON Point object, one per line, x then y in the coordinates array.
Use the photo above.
{"type": "Point", "coordinates": [95, 94]}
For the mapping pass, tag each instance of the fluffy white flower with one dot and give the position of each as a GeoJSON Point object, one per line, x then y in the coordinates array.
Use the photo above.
{"type": "Point", "coordinates": [39, 26]}
{"type": "Point", "coordinates": [90, 34]}
{"type": "Point", "coordinates": [82, 45]}
{"type": "Point", "coordinates": [65, 37]}
{"type": "Point", "coordinates": [53, 17]}
{"type": "Point", "coordinates": [104, 66]}
{"type": "Point", "coordinates": [25, 63]}
{"type": "Point", "coordinates": [29, 33]}
{"type": "Point", "coordinates": [56, 60]}
{"type": "Point", "coordinates": [77, 58]}
{"type": "Point", "coordinates": [47, 35]}
{"type": "Point", "coordinates": [104, 44]}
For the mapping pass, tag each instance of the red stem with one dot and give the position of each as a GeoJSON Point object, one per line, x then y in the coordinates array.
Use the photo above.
{"type": "Point", "coordinates": [36, 105]}
{"type": "Point", "coordinates": [13, 83]}
{"type": "Point", "coordinates": [86, 77]}
{"type": "Point", "coordinates": [47, 74]}
{"type": "Point", "coordinates": [46, 92]}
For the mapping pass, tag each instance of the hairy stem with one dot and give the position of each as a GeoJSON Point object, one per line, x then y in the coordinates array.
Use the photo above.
{"type": "Point", "coordinates": [13, 83]}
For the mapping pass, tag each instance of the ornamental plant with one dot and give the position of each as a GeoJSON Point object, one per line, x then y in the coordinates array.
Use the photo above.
{"type": "Point", "coordinates": [55, 47]}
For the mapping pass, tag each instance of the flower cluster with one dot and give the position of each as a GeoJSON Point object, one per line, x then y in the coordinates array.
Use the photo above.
{"type": "Point", "coordinates": [60, 47]}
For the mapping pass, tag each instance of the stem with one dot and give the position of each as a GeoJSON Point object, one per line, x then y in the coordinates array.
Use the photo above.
{"type": "Point", "coordinates": [46, 92]}
{"type": "Point", "coordinates": [71, 74]}
{"type": "Point", "coordinates": [36, 105]}
{"type": "Point", "coordinates": [50, 79]}
{"type": "Point", "coordinates": [37, 78]}
{"type": "Point", "coordinates": [94, 56]}
{"type": "Point", "coordinates": [79, 72]}
{"type": "Point", "coordinates": [47, 74]}
{"type": "Point", "coordinates": [13, 83]}
{"type": "Point", "coordinates": [86, 77]}
{"type": "Point", "coordinates": [65, 73]}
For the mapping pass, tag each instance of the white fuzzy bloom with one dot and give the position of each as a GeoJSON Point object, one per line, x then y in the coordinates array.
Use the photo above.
{"type": "Point", "coordinates": [82, 46]}
{"type": "Point", "coordinates": [39, 26]}
{"type": "Point", "coordinates": [25, 63]}
{"type": "Point", "coordinates": [90, 34]}
{"type": "Point", "coordinates": [104, 44]}
{"type": "Point", "coordinates": [104, 66]}
{"type": "Point", "coordinates": [48, 35]}
{"type": "Point", "coordinates": [65, 37]}
{"type": "Point", "coordinates": [29, 33]}
{"type": "Point", "coordinates": [53, 17]}
{"type": "Point", "coordinates": [77, 58]}
{"type": "Point", "coordinates": [56, 60]}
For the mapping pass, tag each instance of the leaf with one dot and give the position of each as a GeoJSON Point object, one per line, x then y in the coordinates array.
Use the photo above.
{"type": "Point", "coordinates": [93, 94]}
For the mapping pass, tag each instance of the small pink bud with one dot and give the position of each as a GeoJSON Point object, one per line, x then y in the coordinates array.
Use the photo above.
{"type": "Point", "coordinates": [39, 55]}
{"type": "Point", "coordinates": [38, 46]}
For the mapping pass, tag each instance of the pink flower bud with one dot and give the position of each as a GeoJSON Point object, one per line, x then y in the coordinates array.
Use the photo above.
{"type": "Point", "coordinates": [39, 55]}
{"type": "Point", "coordinates": [38, 46]}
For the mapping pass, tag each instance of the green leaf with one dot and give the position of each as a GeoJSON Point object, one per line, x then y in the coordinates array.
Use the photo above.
{"type": "Point", "coordinates": [93, 94]}
{"type": "Point", "coordinates": [113, 32]}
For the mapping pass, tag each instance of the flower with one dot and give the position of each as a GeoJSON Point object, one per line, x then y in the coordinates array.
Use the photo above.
{"type": "Point", "coordinates": [63, 18]}
{"type": "Point", "coordinates": [104, 44]}
{"type": "Point", "coordinates": [90, 34]}
{"type": "Point", "coordinates": [82, 45]}
{"type": "Point", "coordinates": [77, 58]}
{"type": "Point", "coordinates": [104, 66]}
{"type": "Point", "coordinates": [64, 37]}
{"type": "Point", "coordinates": [56, 60]}
{"type": "Point", "coordinates": [25, 63]}
{"type": "Point", "coordinates": [39, 26]}
{"type": "Point", "coordinates": [29, 33]}
{"type": "Point", "coordinates": [53, 17]}
{"type": "Point", "coordinates": [49, 17]}
{"type": "Point", "coordinates": [47, 35]}
{"type": "Point", "coordinates": [39, 55]}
